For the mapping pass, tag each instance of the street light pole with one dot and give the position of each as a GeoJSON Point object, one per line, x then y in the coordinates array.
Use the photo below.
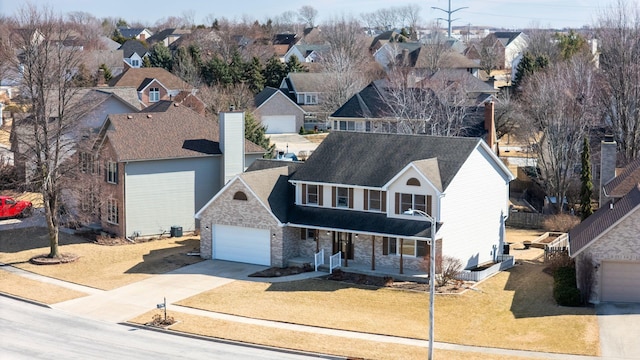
{"type": "Point", "coordinates": [432, 274]}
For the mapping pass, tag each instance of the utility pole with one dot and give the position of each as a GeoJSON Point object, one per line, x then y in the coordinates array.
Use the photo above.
{"type": "Point", "coordinates": [449, 12]}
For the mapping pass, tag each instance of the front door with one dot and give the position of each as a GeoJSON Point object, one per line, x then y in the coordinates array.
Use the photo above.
{"type": "Point", "coordinates": [342, 242]}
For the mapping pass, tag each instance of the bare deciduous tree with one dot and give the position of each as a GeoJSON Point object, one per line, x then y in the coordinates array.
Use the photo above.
{"type": "Point", "coordinates": [559, 104]}
{"type": "Point", "coordinates": [619, 39]}
{"type": "Point", "coordinates": [345, 61]}
{"type": "Point", "coordinates": [50, 132]}
{"type": "Point", "coordinates": [308, 14]}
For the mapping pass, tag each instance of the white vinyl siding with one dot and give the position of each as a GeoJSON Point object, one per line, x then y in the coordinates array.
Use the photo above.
{"type": "Point", "coordinates": [471, 210]}
{"type": "Point", "coordinates": [165, 193]}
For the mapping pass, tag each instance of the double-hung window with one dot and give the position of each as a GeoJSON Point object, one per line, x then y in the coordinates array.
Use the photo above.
{"type": "Point", "coordinates": [375, 200]}
{"type": "Point", "coordinates": [112, 211]}
{"type": "Point", "coordinates": [411, 201]}
{"type": "Point", "coordinates": [154, 94]}
{"type": "Point", "coordinates": [112, 172]}
{"type": "Point", "coordinates": [312, 194]}
{"type": "Point", "coordinates": [342, 197]}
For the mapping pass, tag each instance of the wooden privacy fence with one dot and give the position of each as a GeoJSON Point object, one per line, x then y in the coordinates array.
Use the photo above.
{"type": "Point", "coordinates": [526, 220]}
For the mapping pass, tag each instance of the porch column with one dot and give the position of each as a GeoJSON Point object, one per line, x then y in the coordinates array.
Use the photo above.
{"type": "Point", "coordinates": [373, 252]}
{"type": "Point", "coordinates": [401, 259]}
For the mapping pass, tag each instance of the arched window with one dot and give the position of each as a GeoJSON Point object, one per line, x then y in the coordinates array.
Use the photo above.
{"type": "Point", "coordinates": [413, 182]}
{"type": "Point", "coordinates": [239, 196]}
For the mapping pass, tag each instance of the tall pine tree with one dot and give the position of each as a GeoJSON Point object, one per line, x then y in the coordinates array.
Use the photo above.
{"type": "Point", "coordinates": [586, 191]}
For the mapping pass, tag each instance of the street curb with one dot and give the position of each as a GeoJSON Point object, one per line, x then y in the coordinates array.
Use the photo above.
{"type": "Point", "coordinates": [19, 298]}
{"type": "Point", "coordinates": [231, 342]}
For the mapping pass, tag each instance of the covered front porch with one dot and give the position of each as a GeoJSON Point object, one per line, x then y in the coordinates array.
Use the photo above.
{"type": "Point", "coordinates": [360, 268]}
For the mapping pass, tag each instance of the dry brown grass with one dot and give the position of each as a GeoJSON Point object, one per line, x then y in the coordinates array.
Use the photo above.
{"type": "Point", "coordinates": [99, 266]}
{"type": "Point", "coordinates": [35, 290]}
{"type": "Point", "coordinates": [35, 198]}
{"type": "Point", "coordinates": [513, 310]}
{"type": "Point", "coordinates": [304, 341]}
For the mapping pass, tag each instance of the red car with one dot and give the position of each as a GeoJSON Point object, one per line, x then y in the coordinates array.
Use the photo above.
{"type": "Point", "coordinates": [11, 208]}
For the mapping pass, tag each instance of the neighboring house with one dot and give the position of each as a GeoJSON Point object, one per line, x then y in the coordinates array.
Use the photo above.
{"type": "Point", "coordinates": [277, 112]}
{"type": "Point", "coordinates": [155, 168]}
{"type": "Point", "coordinates": [605, 245]}
{"type": "Point", "coordinates": [420, 58]}
{"type": "Point", "coordinates": [371, 110]}
{"type": "Point", "coordinates": [351, 195]}
{"type": "Point", "coordinates": [89, 108]}
{"type": "Point", "coordinates": [306, 53]}
{"type": "Point", "coordinates": [152, 84]}
{"type": "Point", "coordinates": [112, 59]}
{"type": "Point", "coordinates": [508, 44]}
{"type": "Point", "coordinates": [168, 36]}
{"type": "Point", "coordinates": [141, 34]}
{"type": "Point", "coordinates": [306, 89]}
{"type": "Point", "coordinates": [133, 53]}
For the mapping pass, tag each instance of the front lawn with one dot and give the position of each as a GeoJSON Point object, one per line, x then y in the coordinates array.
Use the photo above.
{"type": "Point", "coordinates": [99, 266]}
{"type": "Point", "coordinates": [513, 310]}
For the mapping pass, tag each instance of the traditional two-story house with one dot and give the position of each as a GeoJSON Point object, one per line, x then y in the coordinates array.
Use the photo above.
{"type": "Point", "coordinates": [151, 170]}
{"type": "Point", "coordinates": [153, 84]}
{"type": "Point", "coordinates": [352, 195]}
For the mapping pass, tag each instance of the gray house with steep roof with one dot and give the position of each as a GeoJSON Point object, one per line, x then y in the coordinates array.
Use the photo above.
{"type": "Point", "coordinates": [277, 112]}
{"type": "Point", "coordinates": [351, 196]}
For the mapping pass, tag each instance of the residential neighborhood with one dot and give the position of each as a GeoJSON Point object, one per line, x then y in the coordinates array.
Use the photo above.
{"type": "Point", "coordinates": [381, 185]}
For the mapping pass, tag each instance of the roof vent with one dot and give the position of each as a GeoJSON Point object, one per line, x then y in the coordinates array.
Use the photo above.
{"type": "Point", "coordinates": [148, 116]}
{"type": "Point", "coordinates": [611, 206]}
{"type": "Point", "coordinates": [232, 107]}
{"type": "Point", "coordinates": [129, 116]}
{"type": "Point", "coordinates": [176, 104]}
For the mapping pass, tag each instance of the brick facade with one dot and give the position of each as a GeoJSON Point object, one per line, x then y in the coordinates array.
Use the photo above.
{"type": "Point", "coordinates": [226, 211]}
{"type": "Point", "coordinates": [618, 244]}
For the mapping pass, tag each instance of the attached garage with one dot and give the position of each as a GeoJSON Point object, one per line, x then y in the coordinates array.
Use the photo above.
{"type": "Point", "coordinates": [280, 124]}
{"type": "Point", "coordinates": [620, 281]}
{"type": "Point", "coordinates": [241, 244]}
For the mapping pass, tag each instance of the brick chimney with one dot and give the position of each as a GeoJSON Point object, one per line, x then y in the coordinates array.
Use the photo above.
{"type": "Point", "coordinates": [608, 156]}
{"type": "Point", "coordinates": [490, 124]}
{"type": "Point", "coordinates": [231, 143]}
{"type": "Point", "coordinates": [100, 76]}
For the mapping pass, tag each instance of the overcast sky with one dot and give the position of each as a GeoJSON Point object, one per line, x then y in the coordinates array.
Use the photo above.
{"type": "Point", "coordinates": [497, 13]}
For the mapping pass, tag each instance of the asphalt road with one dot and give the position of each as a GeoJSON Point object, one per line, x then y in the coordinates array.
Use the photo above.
{"type": "Point", "coordinates": [33, 332]}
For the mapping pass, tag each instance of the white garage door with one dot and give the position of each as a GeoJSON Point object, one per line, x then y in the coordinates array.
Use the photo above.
{"type": "Point", "coordinates": [620, 281]}
{"type": "Point", "coordinates": [281, 124]}
{"type": "Point", "coordinates": [247, 245]}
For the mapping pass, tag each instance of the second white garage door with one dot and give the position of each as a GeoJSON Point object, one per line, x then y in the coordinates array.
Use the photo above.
{"type": "Point", "coordinates": [281, 124]}
{"type": "Point", "coordinates": [247, 245]}
{"type": "Point", "coordinates": [620, 281]}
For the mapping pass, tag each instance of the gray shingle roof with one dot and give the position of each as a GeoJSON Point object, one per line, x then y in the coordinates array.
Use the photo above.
{"type": "Point", "coordinates": [372, 159]}
{"type": "Point", "coordinates": [262, 164]}
{"type": "Point", "coordinates": [602, 220]}
{"type": "Point", "coordinates": [177, 132]}
{"type": "Point", "coordinates": [264, 95]}
{"type": "Point", "coordinates": [357, 221]}
{"type": "Point", "coordinates": [131, 47]}
{"type": "Point", "coordinates": [623, 183]}
{"type": "Point", "coordinates": [271, 185]}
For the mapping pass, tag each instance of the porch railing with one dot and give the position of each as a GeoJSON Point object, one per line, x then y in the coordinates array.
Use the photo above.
{"type": "Point", "coordinates": [335, 261]}
{"type": "Point", "coordinates": [319, 258]}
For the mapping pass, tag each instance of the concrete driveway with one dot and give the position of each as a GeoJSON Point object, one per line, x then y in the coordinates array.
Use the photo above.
{"type": "Point", "coordinates": [619, 330]}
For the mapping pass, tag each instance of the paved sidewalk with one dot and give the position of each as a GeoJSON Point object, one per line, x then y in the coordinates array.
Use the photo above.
{"type": "Point", "coordinates": [129, 301]}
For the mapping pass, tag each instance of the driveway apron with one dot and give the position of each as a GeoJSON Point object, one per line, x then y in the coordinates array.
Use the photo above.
{"type": "Point", "coordinates": [619, 330]}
